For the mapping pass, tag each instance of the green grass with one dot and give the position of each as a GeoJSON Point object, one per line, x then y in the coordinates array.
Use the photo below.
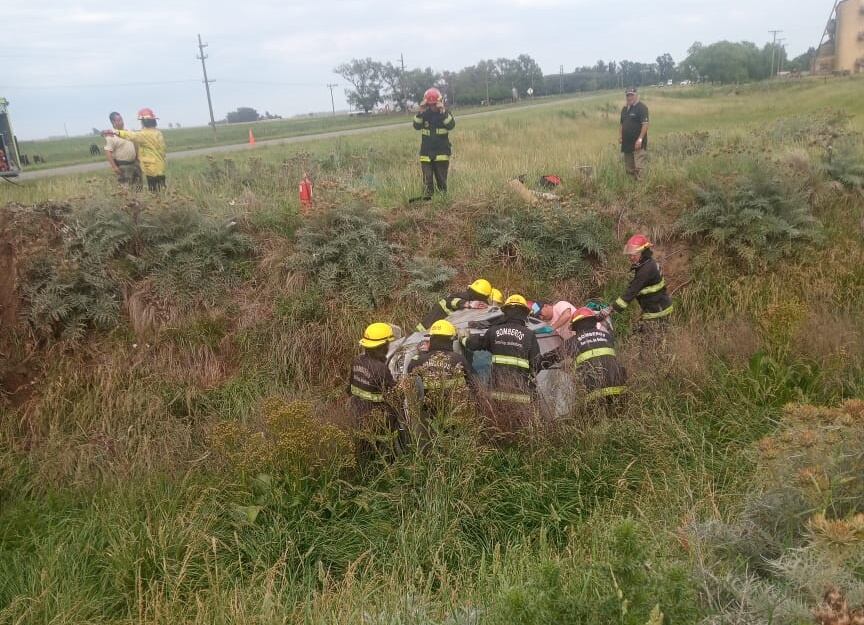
{"type": "Point", "coordinates": [75, 150]}
{"type": "Point", "coordinates": [146, 478]}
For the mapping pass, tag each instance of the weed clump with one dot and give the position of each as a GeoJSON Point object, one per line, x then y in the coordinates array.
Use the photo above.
{"type": "Point", "coordinates": [556, 244]}
{"type": "Point", "coordinates": [346, 252]}
{"type": "Point", "coordinates": [845, 162]}
{"type": "Point", "coordinates": [801, 532]}
{"type": "Point", "coordinates": [182, 254]}
{"type": "Point", "coordinates": [288, 439]}
{"type": "Point", "coordinates": [758, 218]}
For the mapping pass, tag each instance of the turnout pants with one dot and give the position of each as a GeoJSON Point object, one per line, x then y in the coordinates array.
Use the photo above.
{"type": "Point", "coordinates": [434, 174]}
{"type": "Point", "coordinates": [155, 183]}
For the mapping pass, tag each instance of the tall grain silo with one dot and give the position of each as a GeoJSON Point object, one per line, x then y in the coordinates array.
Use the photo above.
{"type": "Point", "coordinates": [842, 46]}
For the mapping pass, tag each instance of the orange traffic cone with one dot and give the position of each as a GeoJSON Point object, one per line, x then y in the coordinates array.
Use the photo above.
{"type": "Point", "coordinates": [251, 137]}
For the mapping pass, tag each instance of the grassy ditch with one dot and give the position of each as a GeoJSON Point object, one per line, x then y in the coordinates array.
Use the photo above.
{"type": "Point", "coordinates": [173, 441]}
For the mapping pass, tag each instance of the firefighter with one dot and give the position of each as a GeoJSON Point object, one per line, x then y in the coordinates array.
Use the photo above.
{"type": "Point", "coordinates": [595, 363]}
{"type": "Point", "coordinates": [496, 298]}
{"type": "Point", "coordinates": [434, 122]}
{"type": "Point", "coordinates": [444, 374]}
{"type": "Point", "coordinates": [476, 296]}
{"type": "Point", "coordinates": [515, 353]}
{"type": "Point", "coordinates": [151, 148]}
{"type": "Point", "coordinates": [371, 379]}
{"type": "Point", "coordinates": [647, 286]}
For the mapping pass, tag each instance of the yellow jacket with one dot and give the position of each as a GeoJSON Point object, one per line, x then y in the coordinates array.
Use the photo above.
{"type": "Point", "coordinates": [151, 149]}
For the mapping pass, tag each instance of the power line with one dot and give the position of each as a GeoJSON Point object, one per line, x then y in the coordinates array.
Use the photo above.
{"type": "Point", "coordinates": [207, 82]}
{"type": "Point", "coordinates": [104, 85]}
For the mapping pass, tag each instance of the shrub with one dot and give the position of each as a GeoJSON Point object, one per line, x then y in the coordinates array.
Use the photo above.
{"type": "Point", "coordinates": [289, 439]}
{"type": "Point", "coordinates": [758, 217]}
{"type": "Point", "coordinates": [845, 162]}
{"type": "Point", "coordinates": [428, 278]}
{"type": "Point", "coordinates": [555, 243]}
{"type": "Point", "coordinates": [345, 251]}
{"type": "Point", "coordinates": [182, 253]}
{"type": "Point", "coordinates": [801, 530]}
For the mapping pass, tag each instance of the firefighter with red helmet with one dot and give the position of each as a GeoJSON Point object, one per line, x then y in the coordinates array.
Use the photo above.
{"type": "Point", "coordinates": [434, 122]}
{"type": "Point", "coordinates": [151, 148]}
{"type": "Point", "coordinates": [647, 285]}
{"type": "Point", "coordinates": [595, 362]}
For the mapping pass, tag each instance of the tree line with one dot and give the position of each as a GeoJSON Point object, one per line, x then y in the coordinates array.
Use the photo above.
{"type": "Point", "coordinates": [374, 84]}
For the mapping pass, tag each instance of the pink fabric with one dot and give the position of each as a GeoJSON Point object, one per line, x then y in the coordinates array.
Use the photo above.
{"type": "Point", "coordinates": [562, 308]}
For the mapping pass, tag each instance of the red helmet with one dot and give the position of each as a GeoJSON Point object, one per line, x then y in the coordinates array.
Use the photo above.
{"type": "Point", "coordinates": [146, 113]}
{"type": "Point", "coordinates": [636, 244]}
{"type": "Point", "coordinates": [583, 313]}
{"type": "Point", "coordinates": [432, 96]}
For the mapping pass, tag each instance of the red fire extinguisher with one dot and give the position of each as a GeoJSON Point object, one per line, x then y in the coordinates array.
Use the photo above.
{"type": "Point", "coordinates": [306, 191]}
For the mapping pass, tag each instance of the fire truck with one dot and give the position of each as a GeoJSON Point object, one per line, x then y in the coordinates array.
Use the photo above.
{"type": "Point", "coordinates": [10, 162]}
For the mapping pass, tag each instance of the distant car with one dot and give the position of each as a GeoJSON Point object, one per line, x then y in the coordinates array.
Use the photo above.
{"type": "Point", "coordinates": [685, 83]}
{"type": "Point", "coordinates": [669, 83]}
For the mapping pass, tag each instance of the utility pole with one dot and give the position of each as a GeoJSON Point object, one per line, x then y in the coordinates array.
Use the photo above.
{"type": "Point", "coordinates": [488, 103]}
{"type": "Point", "coordinates": [780, 54]}
{"type": "Point", "coordinates": [201, 56]}
{"type": "Point", "coordinates": [402, 79]}
{"type": "Point", "coordinates": [773, 49]}
{"type": "Point", "coordinates": [331, 85]}
{"type": "Point", "coordinates": [561, 80]}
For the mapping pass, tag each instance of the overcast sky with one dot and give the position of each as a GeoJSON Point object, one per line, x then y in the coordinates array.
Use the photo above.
{"type": "Point", "coordinates": [73, 61]}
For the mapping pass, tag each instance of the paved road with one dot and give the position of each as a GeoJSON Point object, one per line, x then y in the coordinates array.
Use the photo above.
{"type": "Point", "coordinates": [236, 147]}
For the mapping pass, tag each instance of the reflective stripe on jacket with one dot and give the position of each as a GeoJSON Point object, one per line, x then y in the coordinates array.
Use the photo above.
{"type": "Point", "coordinates": [434, 128]}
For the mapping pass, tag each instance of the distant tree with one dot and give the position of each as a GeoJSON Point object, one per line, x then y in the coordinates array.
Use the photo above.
{"type": "Point", "coordinates": [242, 114]}
{"type": "Point", "coordinates": [417, 81]}
{"type": "Point", "coordinates": [367, 79]}
{"type": "Point", "coordinates": [727, 62]}
{"type": "Point", "coordinates": [803, 62]}
{"type": "Point", "coordinates": [665, 66]}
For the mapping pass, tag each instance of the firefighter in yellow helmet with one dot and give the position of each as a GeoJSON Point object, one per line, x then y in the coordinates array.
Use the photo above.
{"type": "Point", "coordinates": [444, 374]}
{"type": "Point", "coordinates": [371, 381]}
{"type": "Point", "coordinates": [515, 353]}
{"type": "Point", "coordinates": [496, 298]}
{"type": "Point", "coordinates": [476, 296]}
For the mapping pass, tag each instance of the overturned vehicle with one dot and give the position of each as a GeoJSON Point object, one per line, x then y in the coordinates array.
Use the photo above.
{"type": "Point", "coordinates": [556, 389]}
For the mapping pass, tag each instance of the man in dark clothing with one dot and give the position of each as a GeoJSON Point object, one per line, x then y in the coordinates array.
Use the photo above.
{"type": "Point", "coordinates": [595, 363]}
{"type": "Point", "coordinates": [647, 285]}
{"type": "Point", "coordinates": [477, 296]}
{"type": "Point", "coordinates": [515, 353]}
{"type": "Point", "coordinates": [634, 134]}
{"type": "Point", "coordinates": [434, 122]}
{"type": "Point", "coordinates": [447, 378]}
{"type": "Point", "coordinates": [371, 380]}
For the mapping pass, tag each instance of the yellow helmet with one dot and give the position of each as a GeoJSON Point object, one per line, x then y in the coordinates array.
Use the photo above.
{"type": "Point", "coordinates": [496, 297]}
{"type": "Point", "coordinates": [516, 300]}
{"type": "Point", "coordinates": [481, 286]}
{"type": "Point", "coordinates": [376, 334]}
{"type": "Point", "coordinates": [442, 327]}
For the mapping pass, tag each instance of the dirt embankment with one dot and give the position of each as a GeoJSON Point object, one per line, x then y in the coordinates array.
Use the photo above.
{"type": "Point", "coordinates": [26, 232]}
